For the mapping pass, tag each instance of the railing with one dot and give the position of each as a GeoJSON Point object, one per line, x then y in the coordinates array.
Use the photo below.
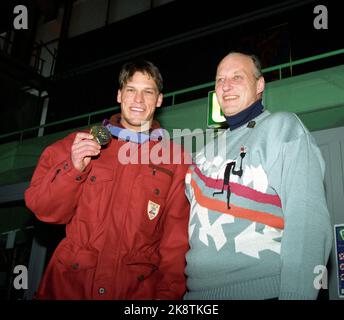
{"type": "Point", "coordinates": [173, 95]}
{"type": "Point", "coordinates": [36, 62]}
{"type": "Point", "coordinates": [264, 71]}
{"type": "Point", "coordinates": [88, 116]}
{"type": "Point", "coordinates": [38, 46]}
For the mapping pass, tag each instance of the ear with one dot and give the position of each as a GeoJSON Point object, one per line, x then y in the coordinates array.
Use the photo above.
{"type": "Point", "coordinates": [159, 102]}
{"type": "Point", "coordinates": [119, 96]}
{"type": "Point", "coordinates": [260, 85]}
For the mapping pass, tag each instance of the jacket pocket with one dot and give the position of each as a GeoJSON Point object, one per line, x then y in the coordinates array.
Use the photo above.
{"type": "Point", "coordinates": [147, 204]}
{"type": "Point", "coordinates": [141, 280]}
{"type": "Point", "coordinates": [70, 274]}
{"type": "Point", "coordinates": [96, 194]}
{"type": "Point", "coordinates": [77, 261]}
{"type": "Point", "coordinates": [99, 175]}
{"type": "Point", "coordinates": [161, 169]}
{"type": "Point", "coordinates": [156, 181]}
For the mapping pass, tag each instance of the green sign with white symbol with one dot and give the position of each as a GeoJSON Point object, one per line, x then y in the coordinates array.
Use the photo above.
{"type": "Point", "coordinates": [215, 115]}
{"type": "Point", "coordinates": [341, 232]}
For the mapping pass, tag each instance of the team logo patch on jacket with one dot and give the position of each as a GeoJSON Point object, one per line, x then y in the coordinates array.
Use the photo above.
{"type": "Point", "coordinates": [152, 209]}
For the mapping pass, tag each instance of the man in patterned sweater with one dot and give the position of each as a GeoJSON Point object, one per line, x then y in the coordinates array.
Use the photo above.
{"type": "Point", "coordinates": [259, 226]}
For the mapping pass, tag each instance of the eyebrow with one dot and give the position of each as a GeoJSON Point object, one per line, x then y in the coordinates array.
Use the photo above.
{"type": "Point", "coordinates": [241, 71]}
{"type": "Point", "coordinates": [144, 88]}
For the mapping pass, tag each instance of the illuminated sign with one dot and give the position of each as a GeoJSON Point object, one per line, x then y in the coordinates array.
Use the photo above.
{"type": "Point", "coordinates": [215, 116]}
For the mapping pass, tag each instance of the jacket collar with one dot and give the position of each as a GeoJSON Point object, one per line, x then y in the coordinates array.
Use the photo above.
{"type": "Point", "coordinates": [118, 131]}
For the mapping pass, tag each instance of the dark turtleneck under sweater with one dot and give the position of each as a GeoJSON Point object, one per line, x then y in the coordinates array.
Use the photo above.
{"type": "Point", "coordinates": [245, 116]}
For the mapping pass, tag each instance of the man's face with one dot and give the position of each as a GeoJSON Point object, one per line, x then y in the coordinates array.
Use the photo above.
{"type": "Point", "coordinates": [236, 85]}
{"type": "Point", "coordinates": [138, 98]}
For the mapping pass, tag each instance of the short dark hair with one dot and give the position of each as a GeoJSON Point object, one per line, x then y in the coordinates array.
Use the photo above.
{"type": "Point", "coordinates": [255, 60]}
{"type": "Point", "coordinates": [146, 67]}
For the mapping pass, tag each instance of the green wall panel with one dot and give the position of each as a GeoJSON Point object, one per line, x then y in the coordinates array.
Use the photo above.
{"type": "Point", "coordinates": [189, 115]}
{"type": "Point", "coordinates": [308, 92]}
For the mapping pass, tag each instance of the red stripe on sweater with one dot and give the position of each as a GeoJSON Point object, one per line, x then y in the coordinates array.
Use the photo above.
{"type": "Point", "coordinates": [241, 190]}
{"type": "Point", "coordinates": [252, 215]}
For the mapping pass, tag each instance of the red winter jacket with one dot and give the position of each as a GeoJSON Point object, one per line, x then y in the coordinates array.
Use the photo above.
{"type": "Point", "coordinates": [126, 225]}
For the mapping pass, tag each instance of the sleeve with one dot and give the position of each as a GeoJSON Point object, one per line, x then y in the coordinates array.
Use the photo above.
{"type": "Point", "coordinates": [56, 185]}
{"type": "Point", "coordinates": [188, 175]}
{"type": "Point", "coordinates": [174, 243]}
{"type": "Point", "coordinates": [307, 236]}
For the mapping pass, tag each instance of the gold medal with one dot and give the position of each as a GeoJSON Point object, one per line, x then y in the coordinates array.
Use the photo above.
{"type": "Point", "coordinates": [101, 134]}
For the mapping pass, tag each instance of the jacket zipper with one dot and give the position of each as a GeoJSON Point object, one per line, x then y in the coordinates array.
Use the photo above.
{"type": "Point", "coordinates": [157, 168]}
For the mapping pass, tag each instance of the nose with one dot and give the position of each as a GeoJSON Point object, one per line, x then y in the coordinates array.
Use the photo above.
{"type": "Point", "coordinates": [227, 85]}
{"type": "Point", "coordinates": [138, 96]}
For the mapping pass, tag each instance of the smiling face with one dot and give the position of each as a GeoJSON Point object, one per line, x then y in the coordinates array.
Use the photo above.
{"type": "Point", "coordinates": [236, 85]}
{"type": "Point", "coordinates": [138, 97]}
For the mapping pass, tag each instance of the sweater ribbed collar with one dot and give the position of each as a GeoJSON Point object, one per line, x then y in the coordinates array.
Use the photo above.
{"type": "Point", "coordinates": [245, 116]}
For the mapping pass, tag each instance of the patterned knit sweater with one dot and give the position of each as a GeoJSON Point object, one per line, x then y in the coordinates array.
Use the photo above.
{"type": "Point", "coordinates": [259, 225]}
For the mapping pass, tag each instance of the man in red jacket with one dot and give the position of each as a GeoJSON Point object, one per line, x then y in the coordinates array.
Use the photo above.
{"type": "Point", "coordinates": [126, 223]}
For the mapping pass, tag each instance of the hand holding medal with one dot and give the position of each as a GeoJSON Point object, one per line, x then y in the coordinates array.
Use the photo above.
{"type": "Point", "coordinates": [101, 134]}
{"type": "Point", "coordinates": [88, 145]}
